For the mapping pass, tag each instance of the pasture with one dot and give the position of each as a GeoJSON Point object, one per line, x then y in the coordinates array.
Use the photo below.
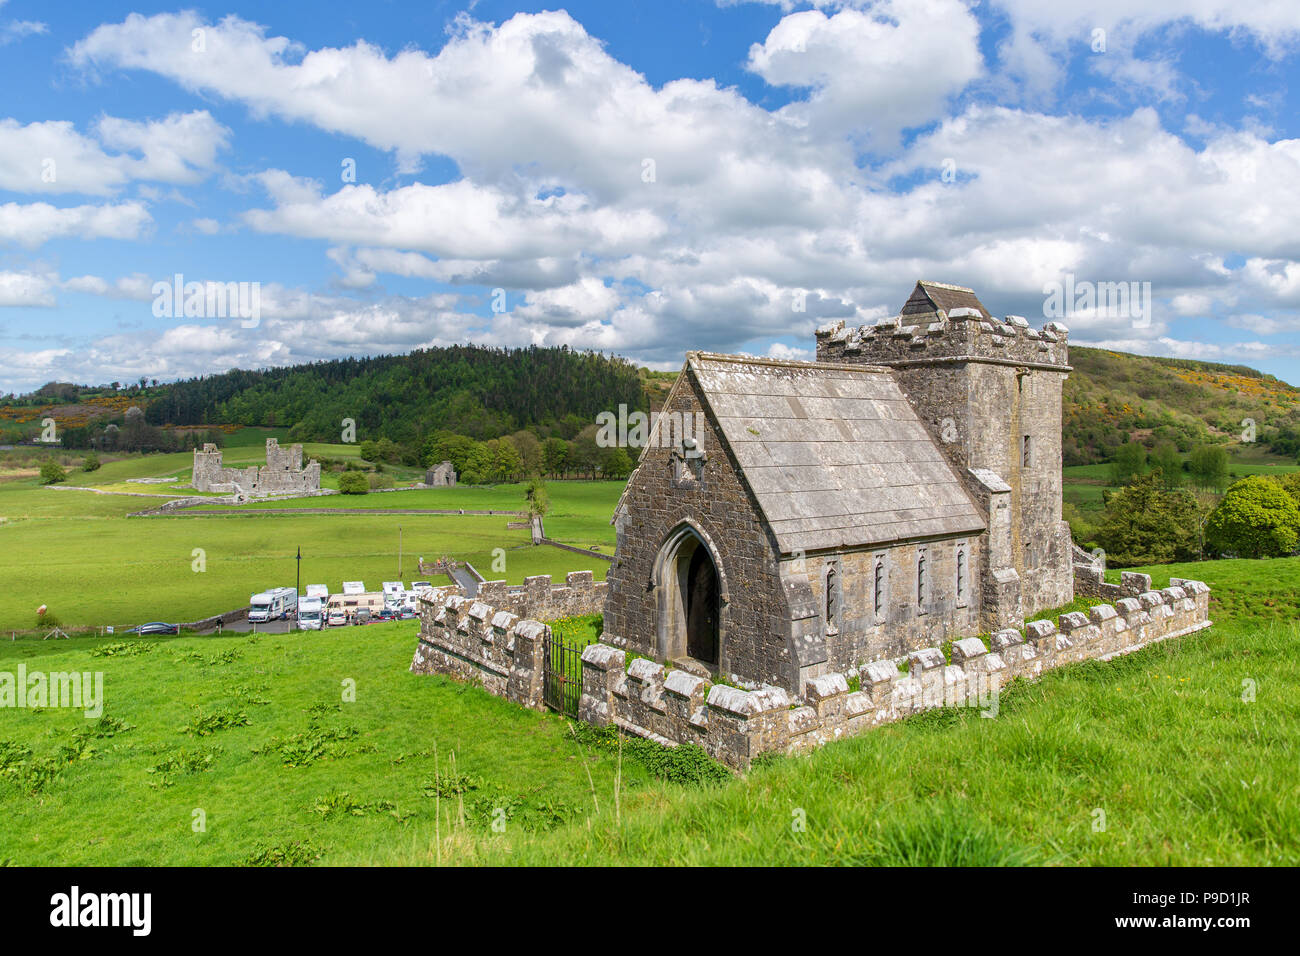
{"type": "Point", "coordinates": [80, 554]}
{"type": "Point", "coordinates": [1181, 754]}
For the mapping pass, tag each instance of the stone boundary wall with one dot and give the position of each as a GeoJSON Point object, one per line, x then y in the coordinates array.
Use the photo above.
{"type": "Point", "coordinates": [229, 617]}
{"type": "Point", "coordinates": [469, 639]}
{"type": "Point", "coordinates": [542, 600]}
{"type": "Point", "coordinates": [576, 550]}
{"type": "Point", "coordinates": [1090, 579]}
{"type": "Point", "coordinates": [473, 640]}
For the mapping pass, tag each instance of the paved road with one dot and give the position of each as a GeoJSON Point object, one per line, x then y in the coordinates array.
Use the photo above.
{"type": "Point", "coordinates": [466, 581]}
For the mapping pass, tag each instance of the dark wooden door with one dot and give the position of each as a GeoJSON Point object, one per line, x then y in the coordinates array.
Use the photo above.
{"type": "Point", "coordinates": [702, 608]}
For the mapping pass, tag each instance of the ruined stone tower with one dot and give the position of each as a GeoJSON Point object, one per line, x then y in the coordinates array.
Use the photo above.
{"type": "Point", "coordinates": [283, 473]}
{"type": "Point", "coordinates": [989, 392]}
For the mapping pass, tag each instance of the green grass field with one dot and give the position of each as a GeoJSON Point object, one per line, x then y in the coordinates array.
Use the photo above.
{"type": "Point", "coordinates": [1083, 484]}
{"type": "Point", "coordinates": [1183, 769]}
{"type": "Point", "coordinates": [301, 774]}
{"type": "Point", "coordinates": [79, 553]}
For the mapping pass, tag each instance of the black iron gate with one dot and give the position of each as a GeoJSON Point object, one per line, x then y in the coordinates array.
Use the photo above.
{"type": "Point", "coordinates": [562, 675]}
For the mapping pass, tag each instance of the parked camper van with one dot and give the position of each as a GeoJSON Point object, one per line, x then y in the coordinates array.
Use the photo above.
{"type": "Point", "coordinates": [393, 591]}
{"type": "Point", "coordinates": [310, 610]}
{"type": "Point", "coordinates": [354, 599]}
{"type": "Point", "coordinates": [277, 604]}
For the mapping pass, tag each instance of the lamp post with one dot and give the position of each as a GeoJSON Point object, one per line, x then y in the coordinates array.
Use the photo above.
{"type": "Point", "coordinates": [297, 589]}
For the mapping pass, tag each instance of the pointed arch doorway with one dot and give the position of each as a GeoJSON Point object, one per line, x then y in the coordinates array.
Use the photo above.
{"type": "Point", "coordinates": [690, 599]}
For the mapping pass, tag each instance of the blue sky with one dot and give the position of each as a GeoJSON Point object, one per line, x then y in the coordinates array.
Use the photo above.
{"type": "Point", "coordinates": [637, 178]}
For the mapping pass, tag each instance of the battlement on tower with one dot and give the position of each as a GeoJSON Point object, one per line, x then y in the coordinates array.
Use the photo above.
{"type": "Point", "coordinates": [942, 322]}
{"type": "Point", "coordinates": [927, 337]}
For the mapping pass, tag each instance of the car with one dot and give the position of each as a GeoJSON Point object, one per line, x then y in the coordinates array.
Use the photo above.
{"type": "Point", "coordinates": [155, 627]}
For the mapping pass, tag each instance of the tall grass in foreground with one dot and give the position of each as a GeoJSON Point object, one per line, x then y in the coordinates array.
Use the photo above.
{"type": "Point", "coordinates": [1157, 758]}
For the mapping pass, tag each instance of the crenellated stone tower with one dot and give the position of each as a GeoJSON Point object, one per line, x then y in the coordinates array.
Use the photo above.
{"type": "Point", "coordinates": [989, 392]}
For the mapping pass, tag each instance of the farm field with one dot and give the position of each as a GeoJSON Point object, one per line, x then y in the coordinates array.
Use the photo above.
{"type": "Point", "coordinates": [79, 553]}
{"type": "Point", "coordinates": [580, 510]}
{"type": "Point", "coordinates": [1184, 769]}
{"type": "Point", "coordinates": [1082, 485]}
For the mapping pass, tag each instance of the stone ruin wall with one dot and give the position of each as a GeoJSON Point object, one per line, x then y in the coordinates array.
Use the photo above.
{"type": "Point", "coordinates": [283, 473]}
{"type": "Point", "coordinates": [474, 641]}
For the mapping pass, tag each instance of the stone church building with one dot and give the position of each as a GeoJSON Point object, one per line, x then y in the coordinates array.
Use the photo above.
{"type": "Point", "coordinates": [789, 519]}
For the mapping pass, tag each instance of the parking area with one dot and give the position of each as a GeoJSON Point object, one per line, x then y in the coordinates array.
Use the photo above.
{"type": "Point", "coordinates": [243, 627]}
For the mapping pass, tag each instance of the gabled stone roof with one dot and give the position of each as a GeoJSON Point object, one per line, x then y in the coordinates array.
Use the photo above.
{"type": "Point", "coordinates": [834, 454]}
{"type": "Point", "coordinates": [930, 297]}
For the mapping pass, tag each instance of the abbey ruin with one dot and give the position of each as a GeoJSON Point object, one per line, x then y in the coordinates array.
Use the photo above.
{"type": "Point", "coordinates": [283, 472]}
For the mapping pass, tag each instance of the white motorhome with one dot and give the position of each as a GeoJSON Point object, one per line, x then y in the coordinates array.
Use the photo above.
{"type": "Point", "coordinates": [393, 592]}
{"type": "Point", "coordinates": [310, 613]}
{"type": "Point", "coordinates": [318, 591]}
{"type": "Point", "coordinates": [276, 604]}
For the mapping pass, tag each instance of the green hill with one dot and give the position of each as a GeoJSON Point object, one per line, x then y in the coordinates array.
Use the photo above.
{"type": "Point", "coordinates": [1113, 397]}
{"type": "Point", "coordinates": [1110, 398]}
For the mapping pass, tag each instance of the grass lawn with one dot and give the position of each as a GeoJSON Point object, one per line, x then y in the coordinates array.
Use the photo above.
{"type": "Point", "coordinates": [580, 510]}
{"type": "Point", "coordinates": [1162, 743]}
{"type": "Point", "coordinates": [77, 552]}
{"type": "Point", "coordinates": [308, 777]}
{"type": "Point", "coordinates": [124, 571]}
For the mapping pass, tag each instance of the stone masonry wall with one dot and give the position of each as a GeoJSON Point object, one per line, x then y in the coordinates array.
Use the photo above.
{"type": "Point", "coordinates": [283, 472]}
{"type": "Point", "coordinates": [753, 607]}
{"type": "Point", "coordinates": [864, 632]}
{"type": "Point", "coordinates": [468, 639]}
{"type": "Point", "coordinates": [981, 387]}
{"type": "Point", "coordinates": [538, 598]}
{"type": "Point", "coordinates": [474, 641]}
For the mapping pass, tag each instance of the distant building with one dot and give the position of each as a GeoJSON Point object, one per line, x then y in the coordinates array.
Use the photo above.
{"type": "Point", "coordinates": [283, 472]}
{"type": "Point", "coordinates": [441, 476]}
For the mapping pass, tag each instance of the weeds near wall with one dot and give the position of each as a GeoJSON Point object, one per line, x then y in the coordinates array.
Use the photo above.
{"type": "Point", "coordinates": [686, 764]}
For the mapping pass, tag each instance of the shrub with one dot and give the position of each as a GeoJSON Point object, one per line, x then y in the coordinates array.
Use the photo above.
{"type": "Point", "coordinates": [90, 462]}
{"type": "Point", "coordinates": [1144, 525]}
{"type": "Point", "coordinates": [52, 472]}
{"type": "Point", "coordinates": [1255, 519]}
{"type": "Point", "coordinates": [353, 483]}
